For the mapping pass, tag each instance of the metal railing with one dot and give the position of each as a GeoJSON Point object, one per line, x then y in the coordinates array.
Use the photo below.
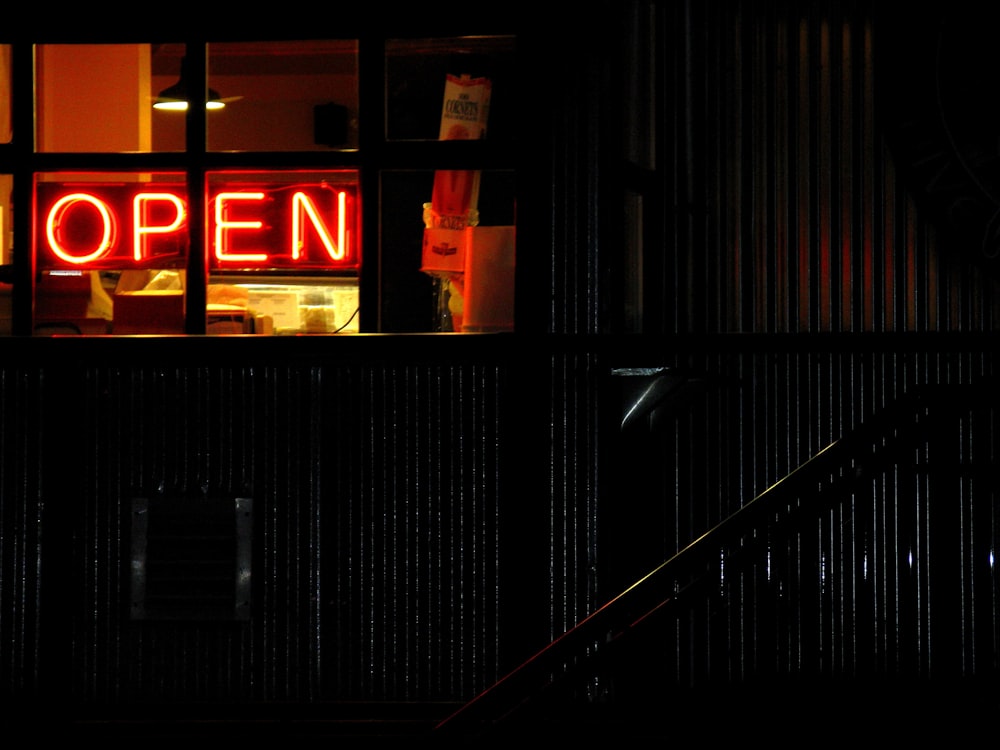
{"type": "Point", "coordinates": [564, 671]}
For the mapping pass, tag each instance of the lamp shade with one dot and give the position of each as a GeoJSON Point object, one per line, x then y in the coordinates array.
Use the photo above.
{"type": "Point", "coordinates": [175, 97]}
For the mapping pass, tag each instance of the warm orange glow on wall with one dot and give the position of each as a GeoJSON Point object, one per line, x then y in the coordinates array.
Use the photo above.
{"type": "Point", "coordinates": [93, 97]}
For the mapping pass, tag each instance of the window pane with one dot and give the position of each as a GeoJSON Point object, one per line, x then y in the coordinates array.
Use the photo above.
{"type": "Point", "coordinates": [284, 96]}
{"type": "Point", "coordinates": [111, 252]}
{"type": "Point", "coordinates": [418, 71]}
{"type": "Point", "coordinates": [435, 277]}
{"type": "Point", "coordinates": [168, 92]}
{"type": "Point", "coordinates": [93, 98]}
{"type": "Point", "coordinates": [284, 252]}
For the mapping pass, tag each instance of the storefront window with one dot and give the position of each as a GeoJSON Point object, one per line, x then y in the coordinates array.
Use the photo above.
{"type": "Point", "coordinates": [305, 231]}
{"type": "Point", "coordinates": [453, 263]}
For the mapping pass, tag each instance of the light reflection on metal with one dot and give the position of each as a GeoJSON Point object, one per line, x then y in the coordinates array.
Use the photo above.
{"type": "Point", "coordinates": [646, 389]}
{"type": "Point", "coordinates": [722, 570]}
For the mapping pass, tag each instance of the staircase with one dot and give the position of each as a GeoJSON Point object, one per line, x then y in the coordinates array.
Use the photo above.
{"type": "Point", "coordinates": [558, 690]}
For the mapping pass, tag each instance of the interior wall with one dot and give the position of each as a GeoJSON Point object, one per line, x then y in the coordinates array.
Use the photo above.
{"type": "Point", "coordinates": [103, 89]}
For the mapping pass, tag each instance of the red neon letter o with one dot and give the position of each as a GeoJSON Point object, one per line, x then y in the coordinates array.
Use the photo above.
{"type": "Point", "coordinates": [55, 217]}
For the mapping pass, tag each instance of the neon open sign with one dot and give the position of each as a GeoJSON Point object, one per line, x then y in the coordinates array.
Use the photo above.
{"type": "Point", "coordinates": [252, 225]}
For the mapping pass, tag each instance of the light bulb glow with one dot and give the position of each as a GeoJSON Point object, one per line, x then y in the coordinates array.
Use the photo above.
{"type": "Point", "coordinates": [181, 106]}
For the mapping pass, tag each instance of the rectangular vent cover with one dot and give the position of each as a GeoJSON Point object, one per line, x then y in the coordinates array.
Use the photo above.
{"type": "Point", "coordinates": [191, 558]}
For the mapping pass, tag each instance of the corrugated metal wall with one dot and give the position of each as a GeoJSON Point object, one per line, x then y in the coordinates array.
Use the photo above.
{"type": "Point", "coordinates": [729, 168]}
{"type": "Point", "coordinates": [896, 582]}
{"type": "Point", "coordinates": [771, 203]}
{"type": "Point", "coordinates": [21, 438]}
{"type": "Point", "coordinates": [791, 213]}
{"type": "Point", "coordinates": [399, 551]}
{"type": "Point", "coordinates": [376, 492]}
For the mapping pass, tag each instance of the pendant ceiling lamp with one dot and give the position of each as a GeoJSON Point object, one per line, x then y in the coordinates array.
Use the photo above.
{"type": "Point", "coordinates": [175, 97]}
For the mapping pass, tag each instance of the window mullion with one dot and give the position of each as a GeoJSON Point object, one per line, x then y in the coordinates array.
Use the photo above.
{"type": "Point", "coordinates": [195, 144]}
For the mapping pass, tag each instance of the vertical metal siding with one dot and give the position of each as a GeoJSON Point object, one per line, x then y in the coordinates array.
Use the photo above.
{"type": "Point", "coordinates": [894, 583]}
{"type": "Point", "coordinates": [379, 568]}
{"type": "Point", "coordinates": [21, 440]}
{"type": "Point", "coordinates": [575, 434]}
{"type": "Point", "coordinates": [417, 532]}
{"type": "Point", "coordinates": [791, 218]}
{"type": "Point", "coordinates": [799, 222]}
{"type": "Point", "coordinates": [376, 496]}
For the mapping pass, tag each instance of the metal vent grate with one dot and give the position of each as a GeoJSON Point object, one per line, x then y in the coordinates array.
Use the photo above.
{"type": "Point", "coordinates": [191, 558]}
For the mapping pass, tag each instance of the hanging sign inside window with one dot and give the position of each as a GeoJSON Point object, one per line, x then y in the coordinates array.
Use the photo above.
{"type": "Point", "coordinates": [253, 224]}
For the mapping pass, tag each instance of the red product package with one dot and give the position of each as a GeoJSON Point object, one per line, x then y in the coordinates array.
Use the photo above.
{"type": "Point", "coordinates": [463, 117]}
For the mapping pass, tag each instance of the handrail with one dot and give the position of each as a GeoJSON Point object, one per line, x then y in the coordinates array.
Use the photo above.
{"type": "Point", "coordinates": [861, 454]}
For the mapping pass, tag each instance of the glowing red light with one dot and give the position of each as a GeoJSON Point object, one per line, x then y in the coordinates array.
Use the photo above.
{"type": "Point", "coordinates": [262, 225]}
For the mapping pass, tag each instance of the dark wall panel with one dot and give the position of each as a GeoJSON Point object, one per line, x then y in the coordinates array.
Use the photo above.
{"type": "Point", "coordinates": [21, 542]}
{"type": "Point", "coordinates": [375, 496]}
